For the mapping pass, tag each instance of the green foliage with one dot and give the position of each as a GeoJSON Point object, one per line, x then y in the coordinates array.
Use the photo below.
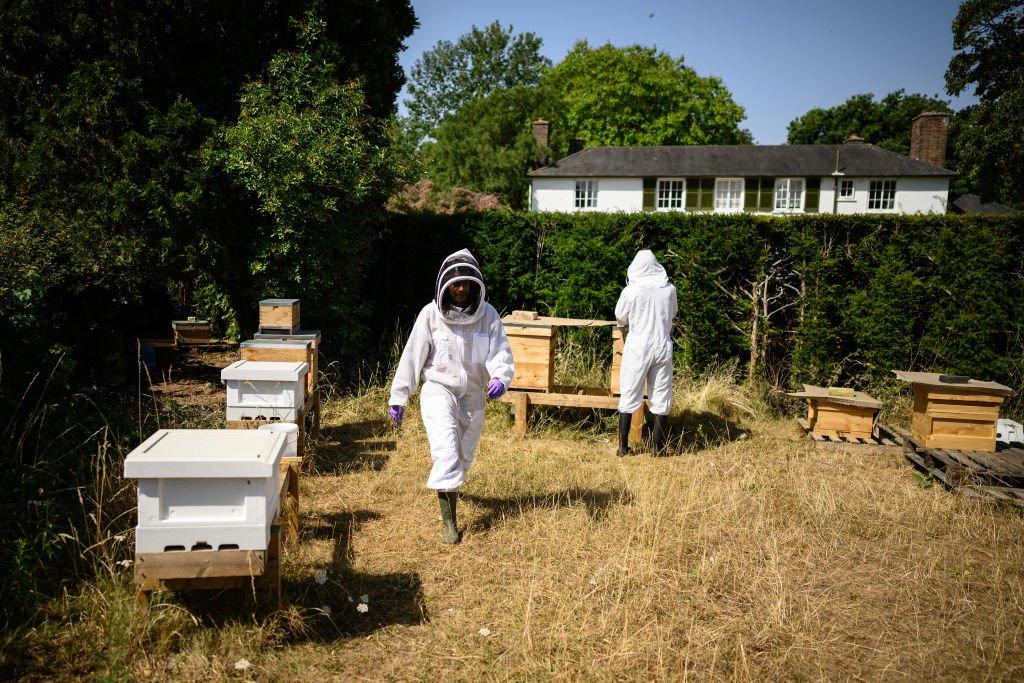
{"type": "Point", "coordinates": [637, 95]}
{"type": "Point", "coordinates": [988, 36]}
{"type": "Point", "coordinates": [886, 123]}
{"type": "Point", "coordinates": [479, 63]}
{"type": "Point", "coordinates": [488, 144]}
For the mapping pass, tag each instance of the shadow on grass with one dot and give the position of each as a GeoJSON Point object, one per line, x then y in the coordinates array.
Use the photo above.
{"type": "Point", "coordinates": [691, 431]}
{"type": "Point", "coordinates": [496, 510]}
{"type": "Point", "coordinates": [353, 447]}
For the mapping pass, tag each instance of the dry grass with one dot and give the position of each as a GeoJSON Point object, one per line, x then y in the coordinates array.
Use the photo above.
{"type": "Point", "coordinates": [747, 556]}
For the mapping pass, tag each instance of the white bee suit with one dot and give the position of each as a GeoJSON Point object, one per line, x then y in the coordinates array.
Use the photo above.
{"type": "Point", "coordinates": [647, 306]}
{"type": "Point", "coordinates": [456, 355]}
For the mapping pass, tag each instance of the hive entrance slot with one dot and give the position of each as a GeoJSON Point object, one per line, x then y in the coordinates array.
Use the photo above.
{"type": "Point", "coordinates": [202, 545]}
{"type": "Point", "coordinates": [228, 546]}
{"type": "Point", "coordinates": [172, 548]}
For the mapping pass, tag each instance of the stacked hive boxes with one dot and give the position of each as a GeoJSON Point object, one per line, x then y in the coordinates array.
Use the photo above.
{"type": "Point", "coordinates": [206, 489]}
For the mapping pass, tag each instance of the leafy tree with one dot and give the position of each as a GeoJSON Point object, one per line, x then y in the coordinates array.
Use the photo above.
{"type": "Point", "coordinates": [637, 95]}
{"type": "Point", "coordinates": [886, 123]}
{"type": "Point", "coordinates": [477, 64]}
{"type": "Point", "coordinates": [488, 145]}
{"type": "Point", "coordinates": [988, 36]}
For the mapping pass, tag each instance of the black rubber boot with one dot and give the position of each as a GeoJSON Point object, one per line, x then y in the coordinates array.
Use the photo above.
{"type": "Point", "coordinates": [625, 419]}
{"type": "Point", "coordinates": [658, 434]}
{"type": "Point", "coordinates": [449, 501]}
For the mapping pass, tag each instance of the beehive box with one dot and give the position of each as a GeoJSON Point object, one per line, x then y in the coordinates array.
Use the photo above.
{"type": "Point", "coordinates": [533, 352]}
{"type": "Point", "coordinates": [959, 416]}
{"type": "Point", "coordinates": [618, 344]}
{"type": "Point", "coordinates": [312, 336]}
{"type": "Point", "coordinates": [279, 315]}
{"type": "Point", "coordinates": [282, 350]}
{"type": "Point", "coordinates": [206, 489]}
{"type": "Point", "coordinates": [838, 416]}
{"type": "Point", "coordinates": [265, 390]}
{"type": "Point", "coordinates": [191, 331]}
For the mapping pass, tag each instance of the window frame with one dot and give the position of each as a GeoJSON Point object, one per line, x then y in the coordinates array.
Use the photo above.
{"type": "Point", "coordinates": [739, 202]}
{"type": "Point", "coordinates": [787, 182]}
{"type": "Point", "coordinates": [852, 197]}
{"type": "Point", "coordinates": [588, 197]}
{"type": "Point", "coordinates": [681, 198]}
{"type": "Point", "coordinates": [892, 199]}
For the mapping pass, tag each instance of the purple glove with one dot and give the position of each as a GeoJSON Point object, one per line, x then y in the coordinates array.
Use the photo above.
{"type": "Point", "coordinates": [495, 388]}
{"type": "Point", "coordinates": [397, 414]}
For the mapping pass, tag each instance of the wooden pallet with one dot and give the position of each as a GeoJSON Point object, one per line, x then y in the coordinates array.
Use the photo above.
{"type": "Point", "coordinates": [884, 440]}
{"type": "Point", "coordinates": [973, 474]}
{"type": "Point", "coordinates": [258, 570]}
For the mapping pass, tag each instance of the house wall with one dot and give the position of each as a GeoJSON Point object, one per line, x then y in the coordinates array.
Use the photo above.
{"type": "Point", "coordinates": [913, 195]}
{"type": "Point", "coordinates": [613, 194]}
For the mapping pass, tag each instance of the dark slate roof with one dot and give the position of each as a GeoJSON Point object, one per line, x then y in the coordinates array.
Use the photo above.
{"type": "Point", "coordinates": [856, 159]}
{"type": "Point", "coordinates": [971, 203]}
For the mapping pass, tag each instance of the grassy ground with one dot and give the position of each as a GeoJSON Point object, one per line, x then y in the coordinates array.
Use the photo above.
{"type": "Point", "coordinates": [748, 555]}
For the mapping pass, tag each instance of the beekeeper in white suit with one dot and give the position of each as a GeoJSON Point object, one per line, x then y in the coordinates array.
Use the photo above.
{"type": "Point", "coordinates": [647, 306]}
{"type": "Point", "coordinates": [458, 346]}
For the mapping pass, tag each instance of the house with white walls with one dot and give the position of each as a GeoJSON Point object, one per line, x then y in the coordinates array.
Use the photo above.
{"type": "Point", "coordinates": [853, 177]}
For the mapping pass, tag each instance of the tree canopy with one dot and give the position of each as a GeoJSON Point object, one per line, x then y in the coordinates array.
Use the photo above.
{"type": "Point", "coordinates": [988, 36]}
{"type": "Point", "coordinates": [480, 62]}
{"type": "Point", "coordinates": [637, 95]}
{"type": "Point", "coordinates": [886, 122]}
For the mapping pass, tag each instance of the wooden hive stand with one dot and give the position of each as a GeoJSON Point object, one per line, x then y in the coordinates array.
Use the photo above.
{"type": "Point", "coordinates": [532, 339]}
{"type": "Point", "coordinates": [956, 415]}
{"type": "Point", "coordinates": [259, 570]}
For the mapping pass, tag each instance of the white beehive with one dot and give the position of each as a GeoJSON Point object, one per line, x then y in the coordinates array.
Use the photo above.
{"type": "Point", "coordinates": [206, 489]}
{"type": "Point", "coordinates": [260, 390]}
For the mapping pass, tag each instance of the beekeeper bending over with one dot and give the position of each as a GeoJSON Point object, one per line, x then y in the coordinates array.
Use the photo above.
{"type": "Point", "coordinates": [459, 347]}
{"type": "Point", "coordinates": [647, 306]}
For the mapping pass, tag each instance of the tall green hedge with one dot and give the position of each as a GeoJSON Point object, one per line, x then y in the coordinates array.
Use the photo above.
{"type": "Point", "coordinates": [849, 297]}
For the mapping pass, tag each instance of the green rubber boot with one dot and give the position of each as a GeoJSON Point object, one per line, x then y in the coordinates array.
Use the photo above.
{"type": "Point", "coordinates": [625, 420]}
{"type": "Point", "coordinates": [449, 501]}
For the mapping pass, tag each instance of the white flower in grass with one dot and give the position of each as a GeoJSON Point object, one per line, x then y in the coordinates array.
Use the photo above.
{"type": "Point", "coordinates": [362, 608]}
{"type": "Point", "coordinates": [326, 609]}
{"type": "Point", "coordinates": [125, 563]}
{"type": "Point", "coordinates": [119, 537]}
{"type": "Point", "coordinates": [484, 631]}
{"type": "Point", "coordinates": [242, 664]}
{"type": "Point", "coordinates": [320, 577]}
{"type": "Point", "coordinates": [593, 582]}
{"type": "Point", "coordinates": [364, 598]}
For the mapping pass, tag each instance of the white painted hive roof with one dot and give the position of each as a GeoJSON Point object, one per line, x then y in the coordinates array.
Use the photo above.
{"type": "Point", "coordinates": [206, 453]}
{"type": "Point", "coordinates": [274, 371]}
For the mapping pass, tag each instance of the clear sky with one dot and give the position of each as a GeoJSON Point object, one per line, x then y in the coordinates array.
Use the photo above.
{"type": "Point", "coordinates": [778, 58]}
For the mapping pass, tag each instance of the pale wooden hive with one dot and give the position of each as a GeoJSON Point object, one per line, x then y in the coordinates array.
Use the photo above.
{"type": "Point", "coordinates": [279, 315]}
{"type": "Point", "coordinates": [836, 416]}
{"type": "Point", "coordinates": [958, 416]}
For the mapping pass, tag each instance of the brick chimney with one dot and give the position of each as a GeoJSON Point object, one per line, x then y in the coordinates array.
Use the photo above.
{"type": "Point", "coordinates": [928, 137]}
{"type": "Point", "coordinates": [575, 145]}
{"type": "Point", "coordinates": [542, 132]}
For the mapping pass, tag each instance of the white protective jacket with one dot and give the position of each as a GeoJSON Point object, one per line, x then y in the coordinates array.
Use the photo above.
{"type": "Point", "coordinates": [647, 306]}
{"type": "Point", "coordinates": [461, 349]}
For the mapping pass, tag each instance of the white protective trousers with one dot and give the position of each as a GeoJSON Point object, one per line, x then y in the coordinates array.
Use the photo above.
{"type": "Point", "coordinates": [453, 432]}
{"type": "Point", "coordinates": [642, 366]}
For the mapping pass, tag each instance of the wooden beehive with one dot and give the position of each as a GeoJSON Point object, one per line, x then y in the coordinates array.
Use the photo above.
{"type": "Point", "coordinates": [312, 336]}
{"type": "Point", "coordinates": [618, 344]}
{"type": "Point", "coordinates": [958, 416]}
{"type": "Point", "coordinates": [295, 350]}
{"type": "Point", "coordinates": [279, 315]}
{"type": "Point", "coordinates": [191, 331]}
{"type": "Point", "coordinates": [533, 352]}
{"type": "Point", "coordinates": [840, 416]}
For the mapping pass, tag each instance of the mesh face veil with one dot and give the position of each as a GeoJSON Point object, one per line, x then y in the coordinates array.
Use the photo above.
{"type": "Point", "coordinates": [460, 267]}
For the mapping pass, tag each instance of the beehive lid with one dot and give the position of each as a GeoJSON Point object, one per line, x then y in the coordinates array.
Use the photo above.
{"type": "Point", "coordinates": [188, 323]}
{"type": "Point", "coordinates": [279, 302]}
{"type": "Point", "coordinates": [265, 371]}
{"type": "Point", "coordinates": [303, 335]}
{"type": "Point", "coordinates": [931, 379]}
{"type": "Point", "coordinates": [275, 344]}
{"type": "Point", "coordinates": [859, 398]}
{"type": "Point", "coordinates": [206, 453]}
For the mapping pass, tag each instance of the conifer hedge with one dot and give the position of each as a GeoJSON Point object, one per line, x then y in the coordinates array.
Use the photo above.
{"type": "Point", "coordinates": [838, 298]}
